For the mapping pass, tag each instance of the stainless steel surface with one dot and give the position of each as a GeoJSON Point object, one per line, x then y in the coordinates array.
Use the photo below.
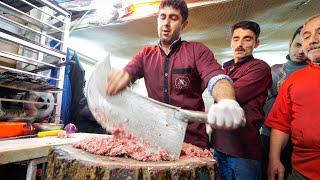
{"type": "Point", "coordinates": [47, 126]}
{"type": "Point", "coordinates": [42, 11]}
{"type": "Point", "coordinates": [31, 54]}
{"type": "Point", "coordinates": [25, 82]}
{"type": "Point", "coordinates": [26, 101]}
{"type": "Point", "coordinates": [28, 28]}
{"type": "Point", "coordinates": [36, 47]}
{"type": "Point", "coordinates": [162, 125]}
{"type": "Point", "coordinates": [29, 73]}
{"type": "Point", "coordinates": [57, 8]}
{"type": "Point", "coordinates": [23, 59]}
{"type": "Point", "coordinates": [18, 137]}
{"type": "Point", "coordinates": [11, 10]}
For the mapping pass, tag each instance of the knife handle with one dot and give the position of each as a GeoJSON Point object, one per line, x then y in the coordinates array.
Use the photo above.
{"type": "Point", "coordinates": [49, 133]}
{"type": "Point", "coordinates": [194, 116]}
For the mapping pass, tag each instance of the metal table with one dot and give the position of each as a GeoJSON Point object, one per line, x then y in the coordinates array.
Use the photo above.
{"type": "Point", "coordinates": [34, 150]}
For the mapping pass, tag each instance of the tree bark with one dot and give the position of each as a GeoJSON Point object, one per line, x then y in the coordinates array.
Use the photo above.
{"type": "Point", "coordinates": [66, 162]}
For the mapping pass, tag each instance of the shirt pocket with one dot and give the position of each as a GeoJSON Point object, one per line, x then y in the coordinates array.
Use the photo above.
{"type": "Point", "coordinates": [182, 79]}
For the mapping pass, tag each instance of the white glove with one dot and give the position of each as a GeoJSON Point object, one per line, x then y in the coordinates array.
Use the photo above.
{"type": "Point", "coordinates": [226, 114]}
{"type": "Point", "coordinates": [209, 130]}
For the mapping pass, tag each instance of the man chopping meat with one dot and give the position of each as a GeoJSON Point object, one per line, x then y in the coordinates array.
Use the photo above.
{"type": "Point", "coordinates": [176, 72]}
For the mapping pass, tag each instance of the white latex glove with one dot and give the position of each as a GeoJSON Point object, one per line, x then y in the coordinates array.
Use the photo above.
{"type": "Point", "coordinates": [226, 114]}
{"type": "Point", "coordinates": [209, 130]}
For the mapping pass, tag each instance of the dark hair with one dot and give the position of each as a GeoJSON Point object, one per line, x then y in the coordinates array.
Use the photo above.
{"type": "Point", "coordinates": [253, 26]}
{"type": "Point", "coordinates": [177, 4]}
{"type": "Point", "coordinates": [297, 32]}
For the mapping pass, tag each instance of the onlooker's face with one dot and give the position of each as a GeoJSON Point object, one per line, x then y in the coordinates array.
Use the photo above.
{"type": "Point", "coordinates": [243, 42]}
{"type": "Point", "coordinates": [295, 52]}
{"type": "Point", "coordinates": [170, 25]}
{"type": "Point", "coordinates": [311, 40]}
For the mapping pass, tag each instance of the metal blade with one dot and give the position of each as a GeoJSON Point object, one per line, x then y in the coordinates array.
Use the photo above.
{"type": "Point", "coordinates": [160, 124]}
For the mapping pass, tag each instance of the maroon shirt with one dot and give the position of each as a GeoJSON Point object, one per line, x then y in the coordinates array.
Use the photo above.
{"type": "Point", "coordinates": [252, 79]}
{"type": "Point", "coordinates": [178, 78]}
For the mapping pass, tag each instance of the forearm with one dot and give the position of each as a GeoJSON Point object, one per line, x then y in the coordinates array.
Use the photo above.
{"type": "Point", "coordinates": [278, 141]}
{"type": "Point", "coordinates": [227, 113]}
{"type": "Point", "coordinates": [223, 89]}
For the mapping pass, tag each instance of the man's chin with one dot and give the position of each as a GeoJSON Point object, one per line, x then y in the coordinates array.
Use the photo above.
{"type": "Point", "coordinates": [166, 41]}
{"type": "Point", "coordinates": [239, 56]}
{"type": "Point", "coordinates": [299, 59]}
{"type": "Point", "coordinates": [314, 57]}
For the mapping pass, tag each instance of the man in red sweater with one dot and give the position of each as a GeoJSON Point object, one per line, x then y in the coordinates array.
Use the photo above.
{"type": "Point", "coordinates": [296, 113]}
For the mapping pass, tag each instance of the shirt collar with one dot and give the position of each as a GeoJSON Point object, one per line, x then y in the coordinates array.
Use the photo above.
{"type": "Point", "coordinates": [294, 62]}
{"type": "Point", "coordinates": [238, 64]}
{"type": "Point", "coordinates": [315, 65]}
{"type": "Point", "coordinates": [173, 46]}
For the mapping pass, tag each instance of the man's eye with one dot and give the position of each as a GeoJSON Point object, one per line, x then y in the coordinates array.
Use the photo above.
{"type": "Point", "coordinates": [174, 18]}
{"type": "Point", "coordinates": [306, 36]}
{"type": "Point", "coordinates": [162, 17]}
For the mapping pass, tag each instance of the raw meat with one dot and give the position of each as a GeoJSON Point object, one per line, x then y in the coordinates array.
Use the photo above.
{"type": "Point", "coordinates": [124, 144]}
{"type": "Point", "coordinates": [121, 144]}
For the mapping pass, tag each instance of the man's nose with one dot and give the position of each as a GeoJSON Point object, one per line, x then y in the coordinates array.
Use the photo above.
{"type": "Point", "coordinates": [166, 21]}
{"type": "Point", "coordinates": [240, 43]}
{"type": "Point", "coordinates": [300, 51]}
{"type": "Point", "coordinates": [315, 38]}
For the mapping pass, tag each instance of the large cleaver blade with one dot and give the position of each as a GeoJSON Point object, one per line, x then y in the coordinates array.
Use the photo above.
{"type": "Point", "coordinates": [160, 124]}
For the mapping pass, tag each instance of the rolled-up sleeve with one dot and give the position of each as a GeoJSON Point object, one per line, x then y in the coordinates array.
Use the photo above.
{"type": "Point", "coordinates": [207, 65]}
{"type": "Point", "coordinates": [135, 66]}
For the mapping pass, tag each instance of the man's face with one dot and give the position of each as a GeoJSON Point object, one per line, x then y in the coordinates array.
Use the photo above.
{"type": "Point", "coordinates": [295, 52]}
{"type": "Point", "coordinates": [170, 25]}
{"type": "Point", "coordinates": [243, 42]}
{"type": "Point", "coordinates": [311, 40]}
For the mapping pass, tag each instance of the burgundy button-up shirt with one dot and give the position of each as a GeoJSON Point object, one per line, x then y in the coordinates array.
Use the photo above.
{"type": "Point", "coordinates": [252, 79]}
{"type": "Point", "coordinates": [178, 78]}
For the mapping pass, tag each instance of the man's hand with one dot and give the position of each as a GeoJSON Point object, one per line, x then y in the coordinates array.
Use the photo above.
{"type": "Point", "coordinates": [226, 114]}
{"type": "Point", "coordinates": [117, 80]}
{"type": "Point", "coordinates": [275, 170]}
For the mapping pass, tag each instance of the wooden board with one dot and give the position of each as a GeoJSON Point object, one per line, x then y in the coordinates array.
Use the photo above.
{"type": "Point", "coordinates": [66, 162]}
{"type": "Point", "coordinates": [31, 148]}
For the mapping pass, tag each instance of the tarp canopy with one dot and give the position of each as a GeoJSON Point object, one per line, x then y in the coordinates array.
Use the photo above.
{"type": "Point", "coordinates": [210, 23]}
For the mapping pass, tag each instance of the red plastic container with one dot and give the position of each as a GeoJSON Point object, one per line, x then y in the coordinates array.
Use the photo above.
{"type": "Point", "coordinates": [12, 129]}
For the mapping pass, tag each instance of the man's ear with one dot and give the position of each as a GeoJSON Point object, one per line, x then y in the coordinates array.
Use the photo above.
{"type": "Point", "coordinates": [257, 43]}
{"type": "Point", "coordinates": [184, 24]}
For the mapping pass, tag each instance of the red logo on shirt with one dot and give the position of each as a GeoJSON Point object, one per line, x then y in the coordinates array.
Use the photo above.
{"type": "Point", "coordinates": [182, 82]}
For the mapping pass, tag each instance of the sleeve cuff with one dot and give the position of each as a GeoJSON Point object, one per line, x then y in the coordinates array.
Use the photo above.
{"type": "Point", "coordinates": [213, 81]}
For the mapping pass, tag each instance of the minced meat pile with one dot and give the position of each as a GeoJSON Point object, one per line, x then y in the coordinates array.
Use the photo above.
{"type": "Point", "coordinates": [123, 144]}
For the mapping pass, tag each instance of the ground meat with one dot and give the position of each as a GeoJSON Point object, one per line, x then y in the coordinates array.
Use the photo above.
{"type": "Point", "coordinates": [189, 150]}
{"type": "Point", "coordinates": [123, 144]}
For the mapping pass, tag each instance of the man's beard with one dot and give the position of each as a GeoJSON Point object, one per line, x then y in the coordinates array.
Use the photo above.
{"type": "Point", "coordinates": [314, 58]}
{"type": "Point", "coordinates": [314, 55]}
{"type": "Point", "coordinates": [169, 40]}
{"type": "Point", "coordinates": [166, 41]}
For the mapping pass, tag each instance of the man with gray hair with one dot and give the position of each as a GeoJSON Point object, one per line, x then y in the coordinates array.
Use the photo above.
{"type": "Point", "coordinates": [295, 113]}
{"type": "Point", "coordinates": [296, 60]}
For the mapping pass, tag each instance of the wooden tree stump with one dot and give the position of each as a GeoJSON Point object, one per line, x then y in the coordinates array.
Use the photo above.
{"type": "Point", "coordinates": [66, 162]}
